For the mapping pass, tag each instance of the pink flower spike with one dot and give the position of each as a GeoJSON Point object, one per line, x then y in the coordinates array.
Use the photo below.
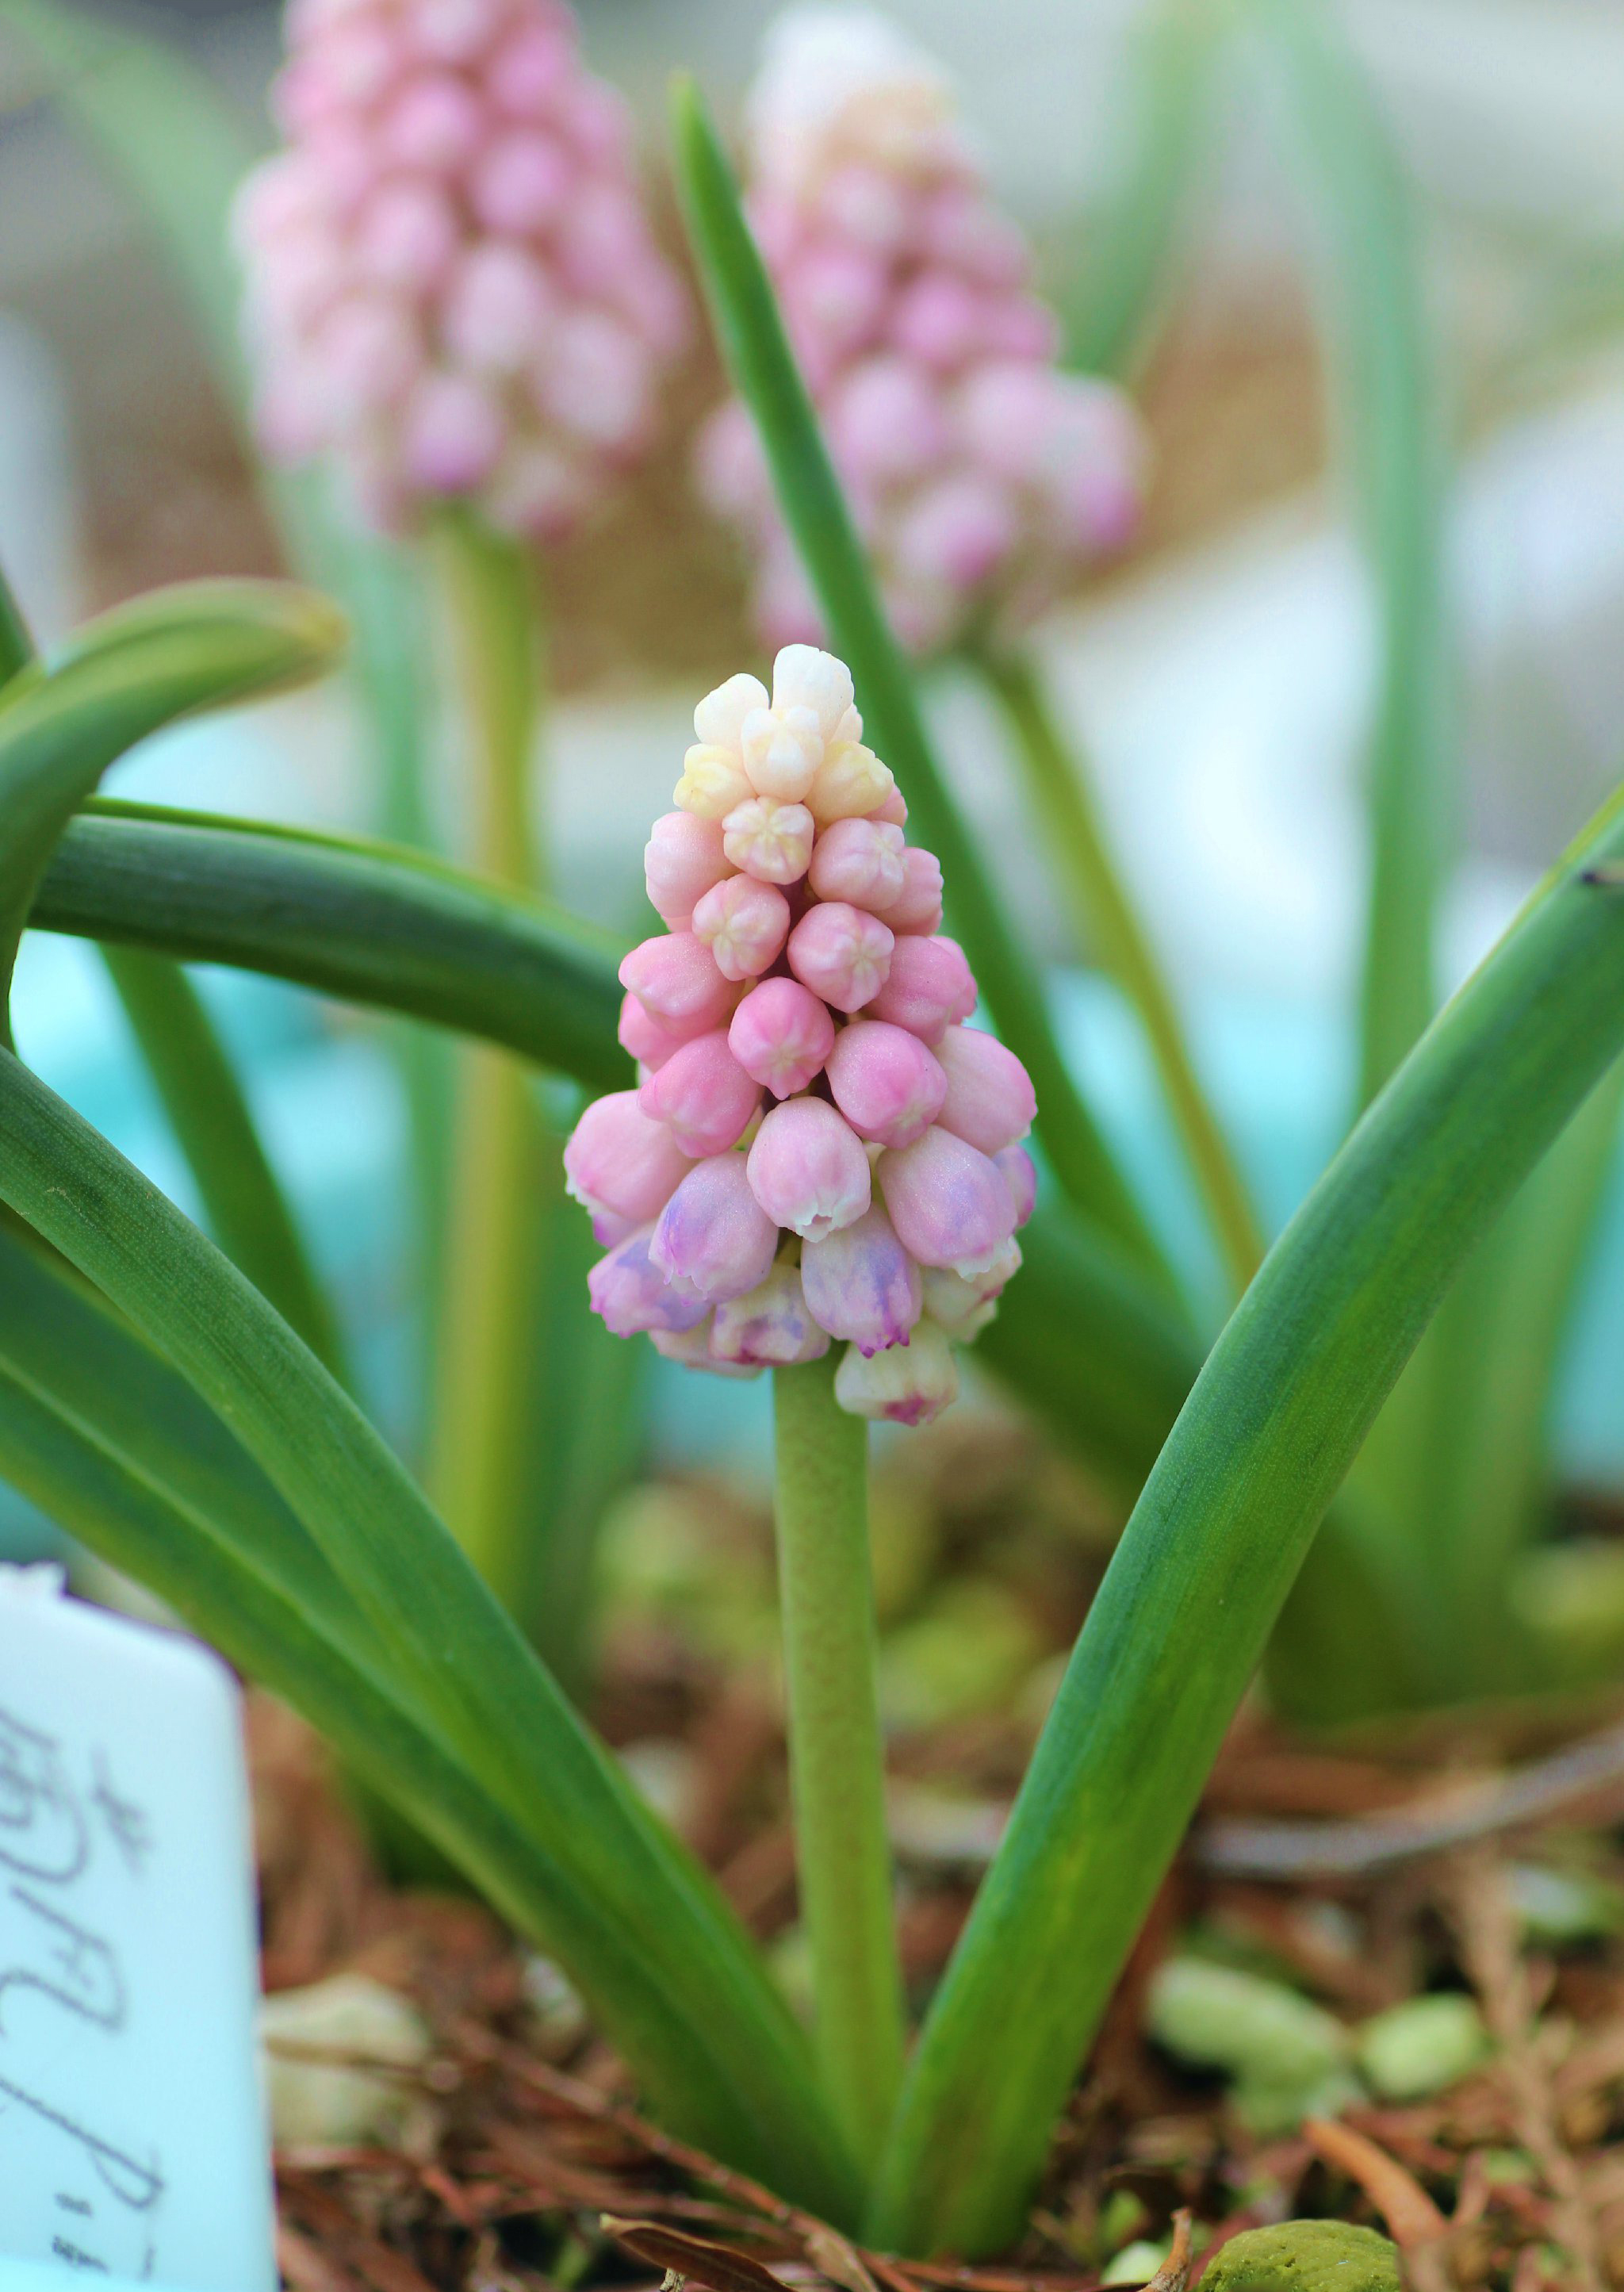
{"type": "Point", "coordinates": [909, 1384]}
{"type": "Point", "coordinates": [1021, 1176]}
{"type": "Point", "coordinates": [949, 1203]}
{"type": "Point", "coordinates": [808, 1169]}
{"type": "Point", "coordinates": [770, 1327]}
{"type": "Point", "coordinates": [744, 923]}
{"type": "Point", "coordinates": [713, 1234]}
{"type": "Point", "coordinates": [649, 1040]}
{"type": "Point", "coordinates": [681, 860]}
{"type": "Point", "coordinates": [631, 1294]}
{"type": "Point", "coordinates": [916, 910]}
{"type": "Point", "coordinates": [859, 862]}
{"type": "Point", "coordinates": [781, 1034]}
{"type": "Point", "coordinates": [991, 1101]}
{"type": "Point", "coordinates": [842, 954]}
{"type": "Point", "coordinates": [887, 1083]}
{"type": "Point", "coordinates": [620, 1161]}
{"type": "Point", "coordinates": [768, 840]}
{"type": "Point", "coordinates": [702, 1095]}
{"type": "Point", "coordinates": [861, 1284]}
{"type": "Point", "coordinates": [929, 989]}
{"type": "Point", "coordinates": [678, 982]}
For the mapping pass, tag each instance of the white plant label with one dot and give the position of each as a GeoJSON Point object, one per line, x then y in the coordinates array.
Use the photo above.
{"type": "Point", "coordinates": [132, 2135]}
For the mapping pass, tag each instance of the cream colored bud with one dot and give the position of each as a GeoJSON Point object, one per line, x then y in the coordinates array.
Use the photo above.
{"type": "Point", "coordinates": [850, 783]}
{"type": "Point", "coordinates": [803, 677]}
{"type": "Point", "coordinates": [783, 748]}
{"type": "Point", "coordinates": [850, 727]}
{"type": "Point", "coordinates": [717, 719]}
{"type": "Point", "coordinates": [714, 783]}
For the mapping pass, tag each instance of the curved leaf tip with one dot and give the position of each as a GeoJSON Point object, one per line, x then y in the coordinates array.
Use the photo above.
{"type": "Point", "coordinates": [281, 632]}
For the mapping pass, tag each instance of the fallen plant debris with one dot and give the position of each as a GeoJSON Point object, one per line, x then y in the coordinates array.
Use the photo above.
{"type": "Point", "coordinates": [525, 2161]}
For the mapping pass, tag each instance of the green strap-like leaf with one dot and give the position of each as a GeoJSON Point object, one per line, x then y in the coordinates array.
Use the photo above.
{"type": "Point", "coordinates": [1369, 290]}
{"type": "Point", "coordinates": [1275, 1420]}
{"type": "Point", "coordinates": [64, 722]}
{"type": "Point", "coordinates": [1133, 247]}
{"type": "Point", "coordinates": [762, 367]}
{"type": "Point", "coordinates": [1082, 1335]}
{"type": "Point", "coordinates": [246, 1210]}
{"type": "Point", "coordinates": [668, 1969]}
{"type": "Point", "coordinates": [371, 923]}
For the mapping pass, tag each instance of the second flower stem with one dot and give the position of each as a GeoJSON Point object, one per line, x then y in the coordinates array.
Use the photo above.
{"type": "Point", "coordinates": [493, 1238]}
{"type": "Point", "coordinates": [1058, 783]}
{"type": "Point", "coordinates": [836, 1758]}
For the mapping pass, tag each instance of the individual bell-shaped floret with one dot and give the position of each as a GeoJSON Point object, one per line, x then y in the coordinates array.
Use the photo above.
{"type": "Point", "coordinates": [861, 1285]}
{"type": "Point", "coordinates": [949, 1204]}
{"type": "Point", "coordinates": [768, 840]}
{"type": "Point", "coordinates": [744, 923]}
{"type": "Point", "coordinates": [635, 1296]}
{"type": "Point", "coordinates": [928, 988]}
{"type": "Point", "coordinates": [676, 980]}
{"type": "Point", "coordinates": [887, 1083]}
{"type": "Point", "coordinates": [770, 1327]}
{"type": "Point", "coordinates": [620, 1162]}
{"type": "Point", "coordinates": [916, 908]}
{"type": "Point", "coordinates": [962, 1307]}
{"type": "Point", "coordinates": [906, 1385]}
{"type": "Point", "coordinates": [990, 1101]}
{"type": "Point", "coordinates": [781, 1034]}
{"type": "Point", "coordinates": [702, 1097]}
{"type": "Point", "coordinates": [808, 1169]}
{"type": "Point", "coordinates": [860, 861]}
{"type": "Point", "coordinates": [683, 859]}
{"type": "Point", "coordinates": [842, 954]}
{"type": "Point", "coordinates": [712, 1236]}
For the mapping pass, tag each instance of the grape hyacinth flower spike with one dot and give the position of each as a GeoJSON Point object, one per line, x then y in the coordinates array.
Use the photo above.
{"type": "Point", "coordinates": [820, 1150]}
{"type": "Point", "coordinates": [453, 290]}
{"type": "Point", "coordinates": [982, 477]}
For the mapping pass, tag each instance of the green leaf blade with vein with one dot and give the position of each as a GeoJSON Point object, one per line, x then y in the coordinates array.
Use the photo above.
{"type": "Point", "coordinates": [1208, 1556]}
{"type": "Point", "coordinates": [666, 1970]}
{"type": "Point", "coordinates": [764, 370]}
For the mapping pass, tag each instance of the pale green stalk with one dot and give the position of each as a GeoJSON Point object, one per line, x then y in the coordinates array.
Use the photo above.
{"type": "Point", "coordinates": [837, 1756]}
{"type": "Point", "coordinates": [1057, 781]}
{"type": "Point", "coordinates": [494, 1233]}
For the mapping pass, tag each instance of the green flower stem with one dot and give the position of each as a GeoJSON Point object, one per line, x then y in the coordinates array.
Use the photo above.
{"type": "Point", "coordinates": [1057, 782]}
{"type": "Point", "coordinates": [494, 1233]}
{"type": "Point", "coordinates": [837, 1760]}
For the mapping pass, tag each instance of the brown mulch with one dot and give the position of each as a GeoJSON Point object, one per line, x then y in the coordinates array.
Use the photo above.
{"type": "Point", "coordinates": [528, 2164]}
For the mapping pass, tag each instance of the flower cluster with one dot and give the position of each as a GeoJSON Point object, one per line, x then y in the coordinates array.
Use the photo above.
{"type": "Point", "coordinates": [819, 1148]}
{"type": "Point", "coordinates": [452, 285]}
{"type": "Point", "coordinates": [979, 475]}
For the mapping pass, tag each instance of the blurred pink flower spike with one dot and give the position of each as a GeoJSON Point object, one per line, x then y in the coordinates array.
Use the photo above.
{"type": "Point", "coordinates": [985, 479]}
{"type": "Point", "coordinates": [453, 290]}
{"type": "Point", "coordinates": [803, 958]}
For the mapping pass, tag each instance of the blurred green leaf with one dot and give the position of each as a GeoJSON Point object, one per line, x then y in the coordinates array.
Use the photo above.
{"type": "Point", "coordinates": [671, 1978]}
{"type": "Point", "coordinates": [1378, 339]}
{"type": "Point", "coordinates": [762, 368]}
{"type": "Point", "coordinates": [1115, 305]}
{"type": "Point", "coordinates": [64, 722]}
{"type": "Point", "coordinates": [1274, 1419]}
